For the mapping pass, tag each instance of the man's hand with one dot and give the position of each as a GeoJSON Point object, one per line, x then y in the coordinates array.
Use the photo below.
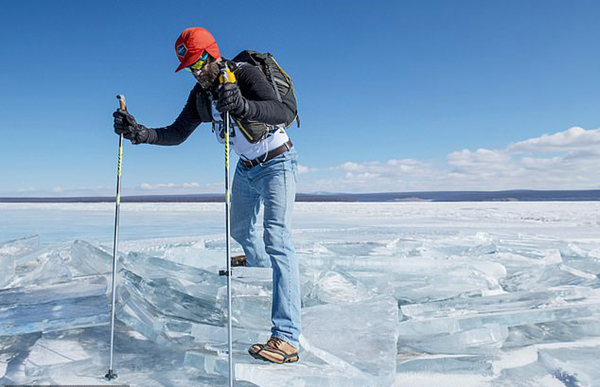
{"type": "Point", "coordinates": [231, 100]}
{"type": "Point", "coordinates": [125, 124]}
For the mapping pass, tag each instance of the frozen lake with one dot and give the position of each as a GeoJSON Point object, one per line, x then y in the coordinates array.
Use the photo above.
{"type": "Point", "coordinates": [482, 294]}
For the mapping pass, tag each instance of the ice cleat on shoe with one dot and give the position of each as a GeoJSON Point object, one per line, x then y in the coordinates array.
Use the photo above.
{"type": "Point", "coordinates": [275, 350]}
{"type": "Point", "coordinates": [238, 260]}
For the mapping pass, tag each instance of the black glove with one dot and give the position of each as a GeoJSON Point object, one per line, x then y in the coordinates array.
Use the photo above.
{"type": "Point", "coordinates": [231, 100]}
{"type": "Point", "coordinates": [125, 124]}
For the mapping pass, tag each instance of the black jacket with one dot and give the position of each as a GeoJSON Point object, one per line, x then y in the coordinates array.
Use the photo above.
{"type": "Point", "coordinates": [263, 106]}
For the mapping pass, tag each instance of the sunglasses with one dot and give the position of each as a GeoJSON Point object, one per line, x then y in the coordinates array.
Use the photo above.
{"type": "Point", "coordinates": [198, 65]}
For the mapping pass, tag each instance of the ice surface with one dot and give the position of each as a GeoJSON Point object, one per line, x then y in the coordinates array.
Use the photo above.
{"type": "Point", "coordinates": [483, 340]}
{"type": "Point", "coordinates": [567, 366]}
{"type": "Point", "coordinates": [478, 294]}
{"type": "Point", "coordinates": [309, 371]}
{"type": "Point", "coordinates": [78, 303]}
{"type": "Point", "coordinates": [444, 364]}
{"type": "Point", "coordinates": [531, 317]}
{"type": "Point", "coordinates": [363, 334]}
{"type": "Point", "coordinates": [339, 348]}
{"type": "Point", "coordinates": [80, 357]}
{"type": "Point", "coordinates": [184, 307]}
{"type": "Point", "coordinates": [575, 310]}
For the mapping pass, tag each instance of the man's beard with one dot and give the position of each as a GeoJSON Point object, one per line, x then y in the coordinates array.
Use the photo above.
{"type": "Point", "coordinates": [208, 77]}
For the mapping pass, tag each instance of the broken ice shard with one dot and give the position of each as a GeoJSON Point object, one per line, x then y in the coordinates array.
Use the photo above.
{"type": "Point", "coordinates": [444, 364]}
{"type": "Point", "coordinates": [170, 301]}
{"type": "Point", "coordinates": [86, 259]}
{"type": "Point", "coordinates": [512, 318]}
{"type": "Point", "coordinates": [202, 293]}
{"type": "Point", "coordinates": [60, 263]}
{"type": "Point", "coordinates": [342, 345]}
{"type": "Point", "coordinates": [11, 347]}
{"type": "Point", "coordinates": [182, 305]}
{"type": "Point", "coordinates": [75, 304]}
{"type": "Point", "coordinates": [544, 277]}
{"type": "Point", "coordinates": [447, 326]}
{"type": "Point", "coordinates": [9, 253]}
{"type": "Point", "coordinates": [309, 371]}
{"type": "Point", "coordinates": [7, 269]}
{"type": "Point", "coordinates": [444, 278]}
{"type": "Point", "coordinates": [578, 365]}
{"type": "Point", "coordinates": [552, 332]}
{"type": "Point", "coordinates": [483, 340]}
{"type": "Point", "coordinates": [333, 287]}
{"type": "Point", "coordinates": [20, 247]}
{"type": "Point", "coordinates": [42, 268]}
{"type": "Point", "coordinates": [497, 303]}
{"type": "Point", "coordinates": [363, 334]}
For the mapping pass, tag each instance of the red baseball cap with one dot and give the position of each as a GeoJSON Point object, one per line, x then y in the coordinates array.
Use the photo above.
{"type": "Point", "coordinates": [191, 45]}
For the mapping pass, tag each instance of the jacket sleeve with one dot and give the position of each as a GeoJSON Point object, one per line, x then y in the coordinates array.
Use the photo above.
{"type": "Point", "coordinates": [176, 133]}
{"type": "Point", "coordinates": [263, 105]}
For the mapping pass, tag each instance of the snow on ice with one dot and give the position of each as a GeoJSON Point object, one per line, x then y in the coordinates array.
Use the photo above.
{"type": "Point", "coordinates": [394, 294]}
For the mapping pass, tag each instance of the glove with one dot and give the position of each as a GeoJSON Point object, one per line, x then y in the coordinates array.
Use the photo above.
{"type": "Point", "coordinates": [231, 100]}
{"type": "Point", "coordinates": [125, 124]}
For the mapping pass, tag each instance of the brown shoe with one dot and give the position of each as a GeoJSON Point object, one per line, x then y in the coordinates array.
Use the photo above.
{"type": "Point", "coordinates": [238, 260]}
{"type": "Point", "coordinates": [275, 350]}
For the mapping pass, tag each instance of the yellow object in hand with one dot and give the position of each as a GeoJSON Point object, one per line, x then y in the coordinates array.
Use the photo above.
{"type": "Point", "coordinates": [227, 76]}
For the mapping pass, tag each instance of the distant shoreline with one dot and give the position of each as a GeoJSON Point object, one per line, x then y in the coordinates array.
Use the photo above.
{"type": "Point", "coordinates": [428, 196]}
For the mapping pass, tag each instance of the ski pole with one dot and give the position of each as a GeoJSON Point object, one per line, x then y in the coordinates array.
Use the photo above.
{"type": "Point", "coordinates": [226, 77]}
{"type": "Point", "coordinates": [111, 375]}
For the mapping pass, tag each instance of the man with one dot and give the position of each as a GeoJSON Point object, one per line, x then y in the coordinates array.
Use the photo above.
{"type": "Point", "coordinates": [265, 173]}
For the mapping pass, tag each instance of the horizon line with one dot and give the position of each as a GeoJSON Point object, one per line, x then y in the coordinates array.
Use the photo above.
{"type": "Point", "coordinates": [449, 195]}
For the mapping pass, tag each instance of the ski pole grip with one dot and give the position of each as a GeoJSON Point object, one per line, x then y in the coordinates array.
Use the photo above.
{"type": "Point", "coordinates": [122, 104]}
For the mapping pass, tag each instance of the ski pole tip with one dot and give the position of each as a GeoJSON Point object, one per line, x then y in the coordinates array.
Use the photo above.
{"type": "Point", "coordinates": [110, 375]}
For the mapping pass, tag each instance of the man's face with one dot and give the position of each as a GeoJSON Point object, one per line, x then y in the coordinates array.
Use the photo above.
{"type": "Point", "coordinates": [207, 75]}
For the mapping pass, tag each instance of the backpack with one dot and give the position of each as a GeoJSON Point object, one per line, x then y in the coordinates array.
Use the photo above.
{"type": "Point", "coordinates": [282, 83]}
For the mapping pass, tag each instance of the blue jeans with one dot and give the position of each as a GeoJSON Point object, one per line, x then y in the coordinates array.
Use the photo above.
{"type": "Point", "coordinates": [273, 184]}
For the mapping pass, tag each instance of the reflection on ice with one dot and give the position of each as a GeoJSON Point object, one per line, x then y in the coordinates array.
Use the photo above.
{"type": "Point", "coordinates": [78, 303]}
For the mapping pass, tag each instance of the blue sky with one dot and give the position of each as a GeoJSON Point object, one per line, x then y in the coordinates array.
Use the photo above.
{"type": "Point", "coordinates": [393, 95]}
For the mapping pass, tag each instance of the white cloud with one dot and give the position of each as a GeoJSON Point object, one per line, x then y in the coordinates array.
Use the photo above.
{"type": "Point", "coordinates": [141, 189]}
{"type": "Point", "coordinates": [479, 158]}
{"type": "Point", "coordinates": [392, 167]}
{"type": "Point", "coordinates": [304, 169]}
{"type": "Point", "coordinates": [372, 176]}
{"type": "Point", "coordinates": [59, 191]}
{"type": "Point", "coordinates": [26, 189]}
{"type": "Point", "coordinates": [563, 160]}
{"type": "Point", "coordinates": [159, 186]}
{"type": "Point", "coordinates": [176, 188]}
{"type": "Point", "coordinates": [574, 139]}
